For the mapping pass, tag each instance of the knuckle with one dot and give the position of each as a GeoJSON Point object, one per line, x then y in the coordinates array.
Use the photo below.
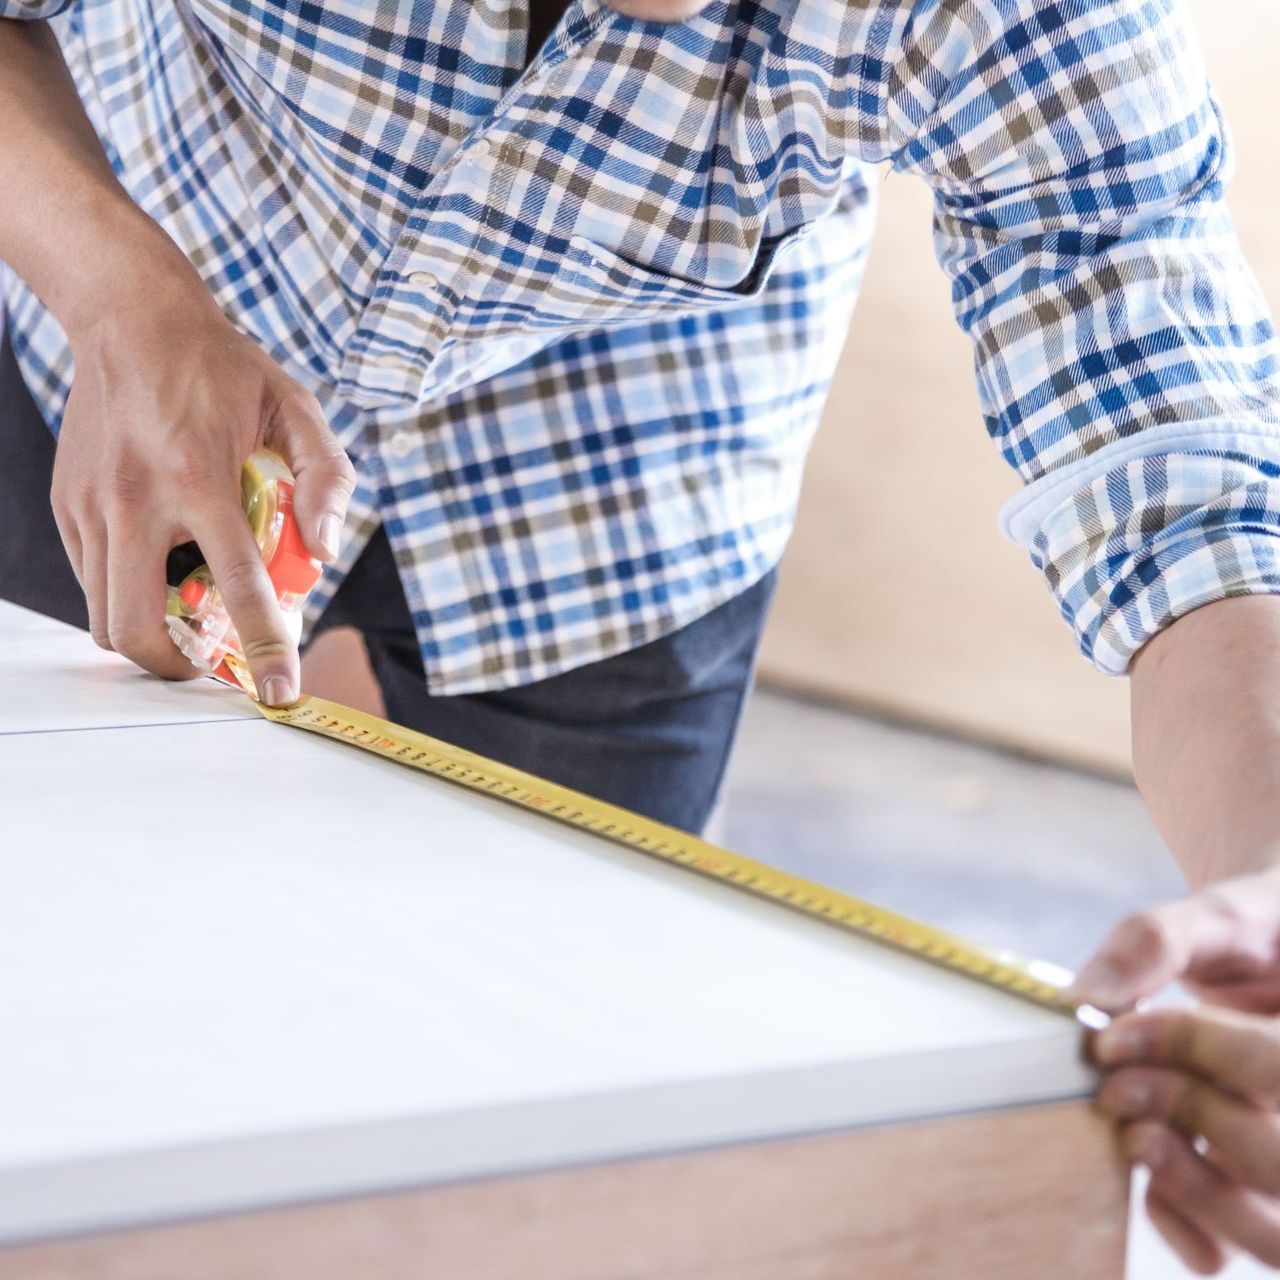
{"type": "Point", "coordinates": [293, 395]}
{"type": "Point", "coordinates": [190, 467]}
{"type": "Point", "coordinates": [61, 504]}
{"type": "Point", "coordinates": [299, 408]}
{"type": "Point", "coordinates": [1258, 1059]}
{"type": "Point", "coordinates": [125, 484]}
{"type": "Point", "coordinates": [265, 649]}
{"type": "Point", "coordinates": [331, 465]}
{"type": "Point", "coordinates": [344, 472]}
{"type": "Point", "coordinates": [293, 398]}
{"type": "Point", "coordinates": [328, 461]}
{"type": "Point", "coordinates": [1121, 1086]}
{"type": "Point", "coordinates": [1145, 935]}
{"type": "Point", "coordinates": [126, 638]}
{"type": "Point", "coordinates": [1177, 1034]}
{"type": "Point", "coordinates": [1186, 1102]}
{"type": "Point", "coordinates": [241, 578]}
{"type": "Point", "coordinates": [73, 495]}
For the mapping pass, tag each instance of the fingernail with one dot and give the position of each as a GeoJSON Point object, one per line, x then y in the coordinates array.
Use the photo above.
{"type": "Point", "coordinates": [1120, 1041]}
{"type": "Point", "coordinates": [278, 691]}
{"type": "Point", "coordinates": [330, 532]}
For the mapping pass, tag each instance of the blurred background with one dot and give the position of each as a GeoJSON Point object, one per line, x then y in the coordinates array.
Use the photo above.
{"type": "Point", "coordinates": [925, 733]}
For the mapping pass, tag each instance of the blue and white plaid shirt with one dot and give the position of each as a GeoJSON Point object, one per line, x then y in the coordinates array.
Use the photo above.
{"type": "Point", "coordinates": [575, 322]}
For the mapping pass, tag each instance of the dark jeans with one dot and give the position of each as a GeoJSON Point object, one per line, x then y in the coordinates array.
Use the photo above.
{"type": "Point", "coordinates": [650, 729]}
{"type": "Point", "coordinates": [34, 569]}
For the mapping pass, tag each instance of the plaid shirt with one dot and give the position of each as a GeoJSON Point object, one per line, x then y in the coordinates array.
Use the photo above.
{"type": "Point", "coordinates": [576, 322]}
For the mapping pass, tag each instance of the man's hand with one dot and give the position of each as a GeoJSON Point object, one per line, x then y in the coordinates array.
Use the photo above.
{"type": "Point", "coordinates": [1196, 1092]}
{"type": "Point", "coordinates": [169, 401]}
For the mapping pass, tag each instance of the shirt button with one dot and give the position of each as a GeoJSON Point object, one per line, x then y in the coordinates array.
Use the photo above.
{"type": "Point", "coordinates": [402, 444]}
{"type": "Point", "coordinates": [423, 279]}
{"type": "Point", "coordinates": [480, 149]}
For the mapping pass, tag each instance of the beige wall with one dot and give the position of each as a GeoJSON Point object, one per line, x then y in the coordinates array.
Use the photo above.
{"type": "Point", "coordinates": [936, 617]}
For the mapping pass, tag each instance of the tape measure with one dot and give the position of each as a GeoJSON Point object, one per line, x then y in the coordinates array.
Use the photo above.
{"type": "Point", "coordinates": [196, 615]}
{"type": "Point", "coordinates": [1042, 983]}
{"type": "Point", "coordinates": [200, 626]}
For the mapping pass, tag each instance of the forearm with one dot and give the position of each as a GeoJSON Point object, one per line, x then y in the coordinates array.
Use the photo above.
{"type": "Point", "coordinates": [1205, 697]}
{"type": "Point", "coordinates": [66, 224]}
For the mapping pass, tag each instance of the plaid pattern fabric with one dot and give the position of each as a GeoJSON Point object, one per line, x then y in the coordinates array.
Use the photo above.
{"type": "Point", "coordinates": [575, 322]}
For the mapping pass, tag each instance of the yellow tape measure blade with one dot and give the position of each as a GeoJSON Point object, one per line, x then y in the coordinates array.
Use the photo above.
{"type": "Point", "coordinates": [1043, 983]}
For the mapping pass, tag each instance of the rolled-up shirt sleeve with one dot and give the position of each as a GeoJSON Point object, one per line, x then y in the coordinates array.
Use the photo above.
{"type": "Point", "coordinates": [1126, 363]}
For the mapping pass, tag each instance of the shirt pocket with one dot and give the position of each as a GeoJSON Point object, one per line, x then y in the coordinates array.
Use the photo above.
{"type": "Point", "coordinates": [598, 288]}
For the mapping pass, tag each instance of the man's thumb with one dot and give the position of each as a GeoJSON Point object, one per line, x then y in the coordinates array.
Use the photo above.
{"type": "Point", "coordinates": [1147, 951]}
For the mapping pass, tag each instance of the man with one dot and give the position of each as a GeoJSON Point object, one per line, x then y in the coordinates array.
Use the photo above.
{"type": "Point", "coordinates": [545, 338]}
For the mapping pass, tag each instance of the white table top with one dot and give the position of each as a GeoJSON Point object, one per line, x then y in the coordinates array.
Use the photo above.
{"type": "Point", "coordinates": [54, 677]}
{"type": "Point", "coordinates": [211, 1000]}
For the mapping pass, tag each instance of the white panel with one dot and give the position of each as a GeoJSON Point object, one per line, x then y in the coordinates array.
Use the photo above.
{"type": "Point", "coordinates": [239, 964]}
{"type": "Point", "coordinates": [54, 677]}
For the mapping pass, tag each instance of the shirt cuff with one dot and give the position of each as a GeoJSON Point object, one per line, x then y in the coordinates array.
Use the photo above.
{"type": "Point", "coordinates": [1151, 537]}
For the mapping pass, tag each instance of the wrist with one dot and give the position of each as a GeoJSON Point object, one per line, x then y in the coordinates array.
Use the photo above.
{"type": "Point", "coordinates": [133, 268]}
